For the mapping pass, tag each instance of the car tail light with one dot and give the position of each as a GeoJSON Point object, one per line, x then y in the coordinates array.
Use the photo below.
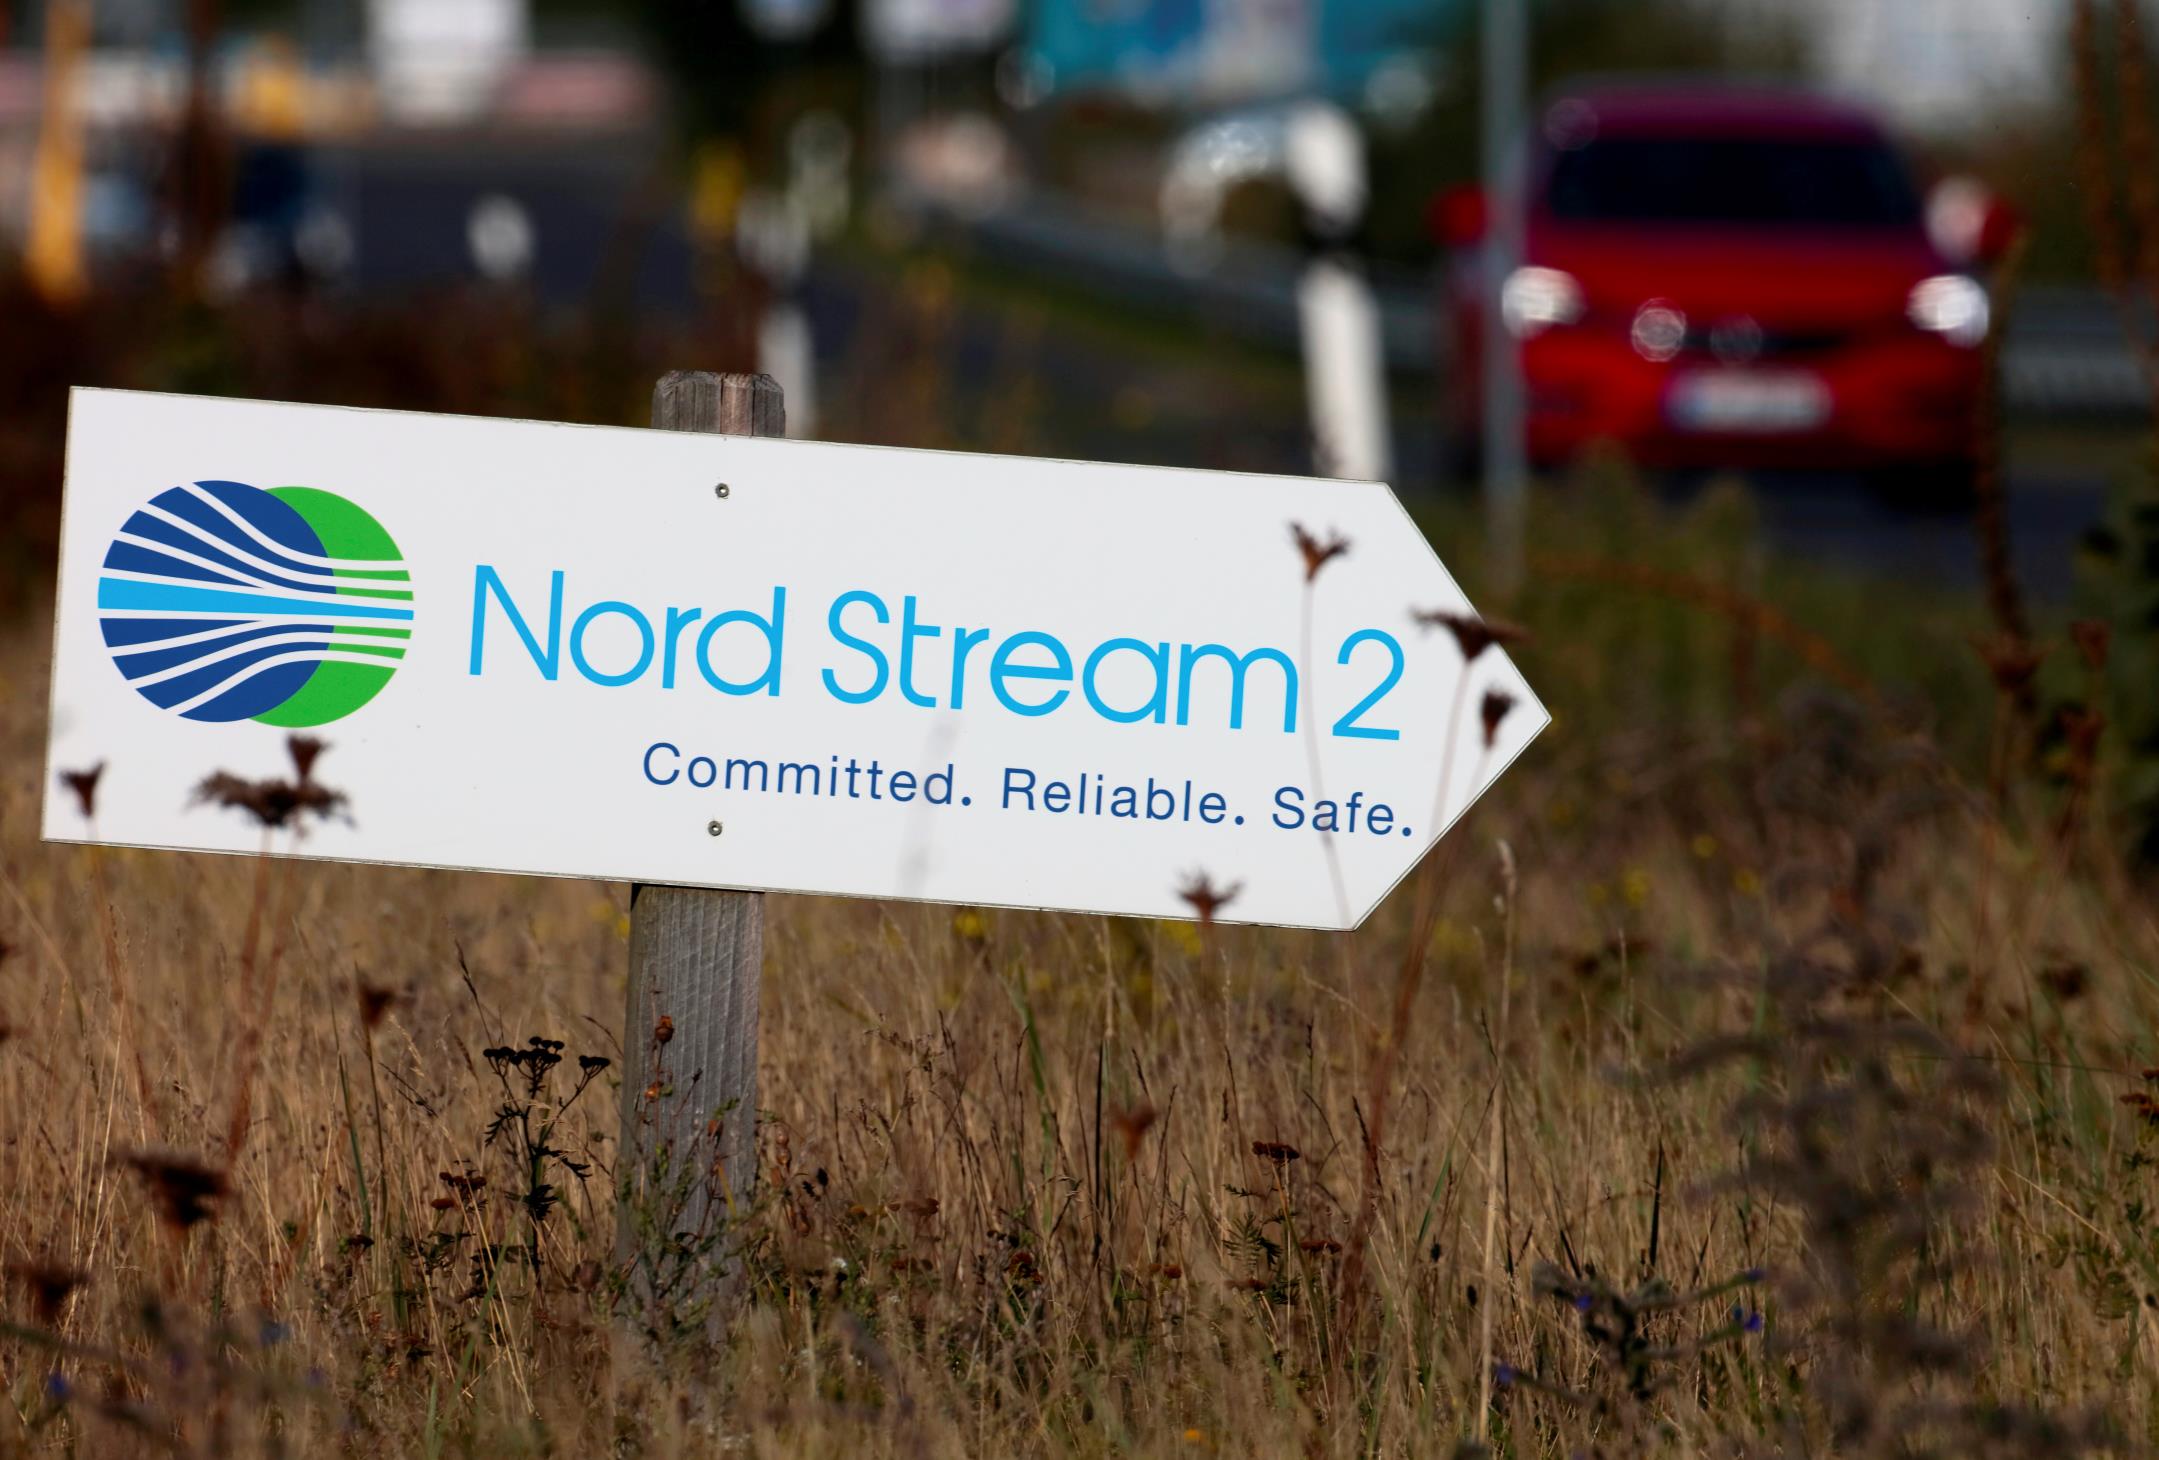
{"type": "Point", "coordinates": [1535, 299]}
{"type": "Point", "coordinates": [1952, 306]}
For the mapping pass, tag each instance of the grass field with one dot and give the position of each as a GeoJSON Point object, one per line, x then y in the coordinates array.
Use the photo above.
{"type": "Point", "coordinates": [1761, 1069]}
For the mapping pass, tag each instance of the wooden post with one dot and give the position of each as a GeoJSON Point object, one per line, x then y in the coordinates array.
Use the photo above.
{"type": "Point", "coordinates": [688, 1152]}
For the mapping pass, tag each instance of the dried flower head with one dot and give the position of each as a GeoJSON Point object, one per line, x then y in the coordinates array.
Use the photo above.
{"type": "Point", "coordinates": [2081, 729]}
{"type": "Point", "coordinates": [2142, 1106]}
{"type": "Point", "coordinates": [1279, 1152]}
{"type": "Point", "coordinates": [182, 1188]}
{"type": "Point", "coordinates": [49, 1285]}
{"type": "Point", "coordinates": [1472, 635]}
{"type": "Point", "coordinates": [272, 803]}
{"type": "Point", "coordinates": [84, 785]}
{"type": "Point", "coordinates": [2091, 636]}
{"type": "Point", "coordinates": [2066, 979]}
{"type": "Point", "coordinates": [534, 1061]}
{"type": "Point", "coordinates": [1317, 552]}
{"type": "Point", "coordinates": [1609, 955]}
{"type": "Point", "coordinates": [1495, 709]}
{"type": "Point", "coordinates": [1206, 898]}
{"type": "Point", "coordinates": [375, 1002]}
{"type": "Point", "coordinates": [1132, 1124]}
{"type": "Point", "coordinates": [304, 750]}
{"type": "Point", "coordinates": [469, 1184]}
{"type": "Point", "coordinates": [2013, 662]}
{"type": "Point", "coordinates": [664, 1030]}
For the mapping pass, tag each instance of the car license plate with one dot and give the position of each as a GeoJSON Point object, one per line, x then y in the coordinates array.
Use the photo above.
{"type": "Point", "coordinates": [1748, 401]}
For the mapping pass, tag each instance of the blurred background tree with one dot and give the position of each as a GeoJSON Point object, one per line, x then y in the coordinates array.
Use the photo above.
{"type": "Point", "coordinates": [1570, 40]}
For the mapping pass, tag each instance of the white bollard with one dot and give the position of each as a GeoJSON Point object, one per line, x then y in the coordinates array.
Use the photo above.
{"type": "Point", "coordinates": [1344, 353]}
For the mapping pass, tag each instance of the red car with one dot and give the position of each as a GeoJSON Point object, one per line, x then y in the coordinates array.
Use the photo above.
{"type": "Point", "coordinates": [1718, 277]}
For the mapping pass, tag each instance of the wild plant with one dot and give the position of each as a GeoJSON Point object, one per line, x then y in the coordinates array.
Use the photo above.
{"type": "Point", "coordinates": [1645, 1339]}
{"type": "Point", "coordinates": [535, 1157]}
{"type": "Point", "coordinates": [2116, 159]}
{"type": "Point", "coordinates": [678, 1223]}
{"type": "Point", "coordinates": [1866, 1128]}
{"type": "Point", "coordinates": [184, 1376]}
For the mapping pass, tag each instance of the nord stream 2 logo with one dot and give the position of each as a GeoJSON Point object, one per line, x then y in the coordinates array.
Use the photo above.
{"type": "Point", "coordinates": [222, 601]}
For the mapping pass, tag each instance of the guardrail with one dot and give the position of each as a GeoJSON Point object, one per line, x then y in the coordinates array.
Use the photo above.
{"type": "Point", "coordinates": [2066, 355]}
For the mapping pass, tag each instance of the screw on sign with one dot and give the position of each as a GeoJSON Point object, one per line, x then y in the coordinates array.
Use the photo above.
{"type": "Point", "coordinates": [712, 662]}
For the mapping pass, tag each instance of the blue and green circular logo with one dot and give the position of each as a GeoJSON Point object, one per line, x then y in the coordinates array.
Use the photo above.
{"type": "Point", "coordinates": [287, 605]}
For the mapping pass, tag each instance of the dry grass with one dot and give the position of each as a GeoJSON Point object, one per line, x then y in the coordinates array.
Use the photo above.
{"type": "Point", "coordinates": [1036, 1184]}
{"type": "Point", "coordinates": [1760, 1070]}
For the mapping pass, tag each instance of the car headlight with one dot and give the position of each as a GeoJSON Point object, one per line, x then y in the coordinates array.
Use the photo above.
{"type": "Point", "coordinates": [1659, 332]}
{"type": "Point", "coordinates": [1534, 299]}
{"type": "Point", "coordinates": [1952, 306]}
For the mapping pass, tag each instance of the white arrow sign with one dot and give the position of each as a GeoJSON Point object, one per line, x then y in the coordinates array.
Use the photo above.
{"type": "Point", "coordinates": [734, 662]}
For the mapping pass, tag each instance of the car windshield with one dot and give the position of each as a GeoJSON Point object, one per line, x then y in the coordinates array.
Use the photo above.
{"type": "Point", "coordinates": [1743, 180]}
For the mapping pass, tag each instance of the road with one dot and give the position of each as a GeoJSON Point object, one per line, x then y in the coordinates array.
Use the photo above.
{"type": "Point", "coordinates": [1131, 361]}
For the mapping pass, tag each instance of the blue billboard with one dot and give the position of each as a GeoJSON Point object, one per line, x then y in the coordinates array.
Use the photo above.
{"type": "Point", "coordinates": [1215, 51]}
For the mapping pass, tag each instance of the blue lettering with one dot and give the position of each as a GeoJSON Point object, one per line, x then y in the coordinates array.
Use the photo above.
{"type": "Point", "coordinates": [485, 578]}
{"type": "Point", "coordinates": [875, 655]}
{"type": "Point", "coordinates": [1002, 668]}
{"type": "Point", "coordinates": [774, 630]}
{"type": "Point", "coordinates": [909, 632]}
{"type": "Point", "coordinates": [669, 778]}
{"type": "Point", "coordinates": [962, 641]}
{"type": "Point", "coordinates": [1347, 726]}
{"type": "Point", "coordinates": [1239, 667]}
{"type": "Point", "coordinates": [1291, 800]}
{"type": "Point", "coordinates": [1156, 707]}
{"type": "Point", "coordinates": [678, 619]}
{"type": "Point", "coordinates": [644, 642]}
